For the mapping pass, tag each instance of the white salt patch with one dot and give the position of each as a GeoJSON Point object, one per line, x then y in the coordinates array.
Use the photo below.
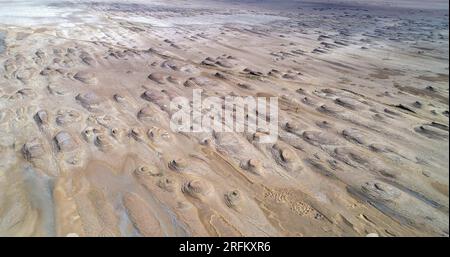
{"type": "Point", "coordinates": [29, 13]}
{"type": "Point", "coordinates": [247, 19]}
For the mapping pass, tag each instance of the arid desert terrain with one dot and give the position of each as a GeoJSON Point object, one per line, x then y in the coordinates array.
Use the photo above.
{"type": "Point", "coordinates": [86, 147]}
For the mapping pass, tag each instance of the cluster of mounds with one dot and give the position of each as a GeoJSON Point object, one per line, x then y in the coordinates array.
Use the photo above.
{"type": "Point", "coordinates": [87, 148]}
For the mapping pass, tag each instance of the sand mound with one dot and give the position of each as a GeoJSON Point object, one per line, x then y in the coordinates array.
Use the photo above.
{"type": "Point", "coordinates": [64, 141]}
{"type": "Point", "coordinates": [86, 77]}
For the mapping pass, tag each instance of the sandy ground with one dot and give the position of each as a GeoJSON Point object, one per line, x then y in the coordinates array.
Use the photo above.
{"type": "Point", "coordinates": [86, 148]}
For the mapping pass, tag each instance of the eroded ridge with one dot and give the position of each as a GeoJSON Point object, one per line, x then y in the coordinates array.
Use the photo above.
{"type": "Point", "coordinates": [86, 146]}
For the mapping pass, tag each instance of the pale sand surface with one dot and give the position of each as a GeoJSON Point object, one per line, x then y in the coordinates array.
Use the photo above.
{"type": "Point", "coordinates": [86, 148]}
